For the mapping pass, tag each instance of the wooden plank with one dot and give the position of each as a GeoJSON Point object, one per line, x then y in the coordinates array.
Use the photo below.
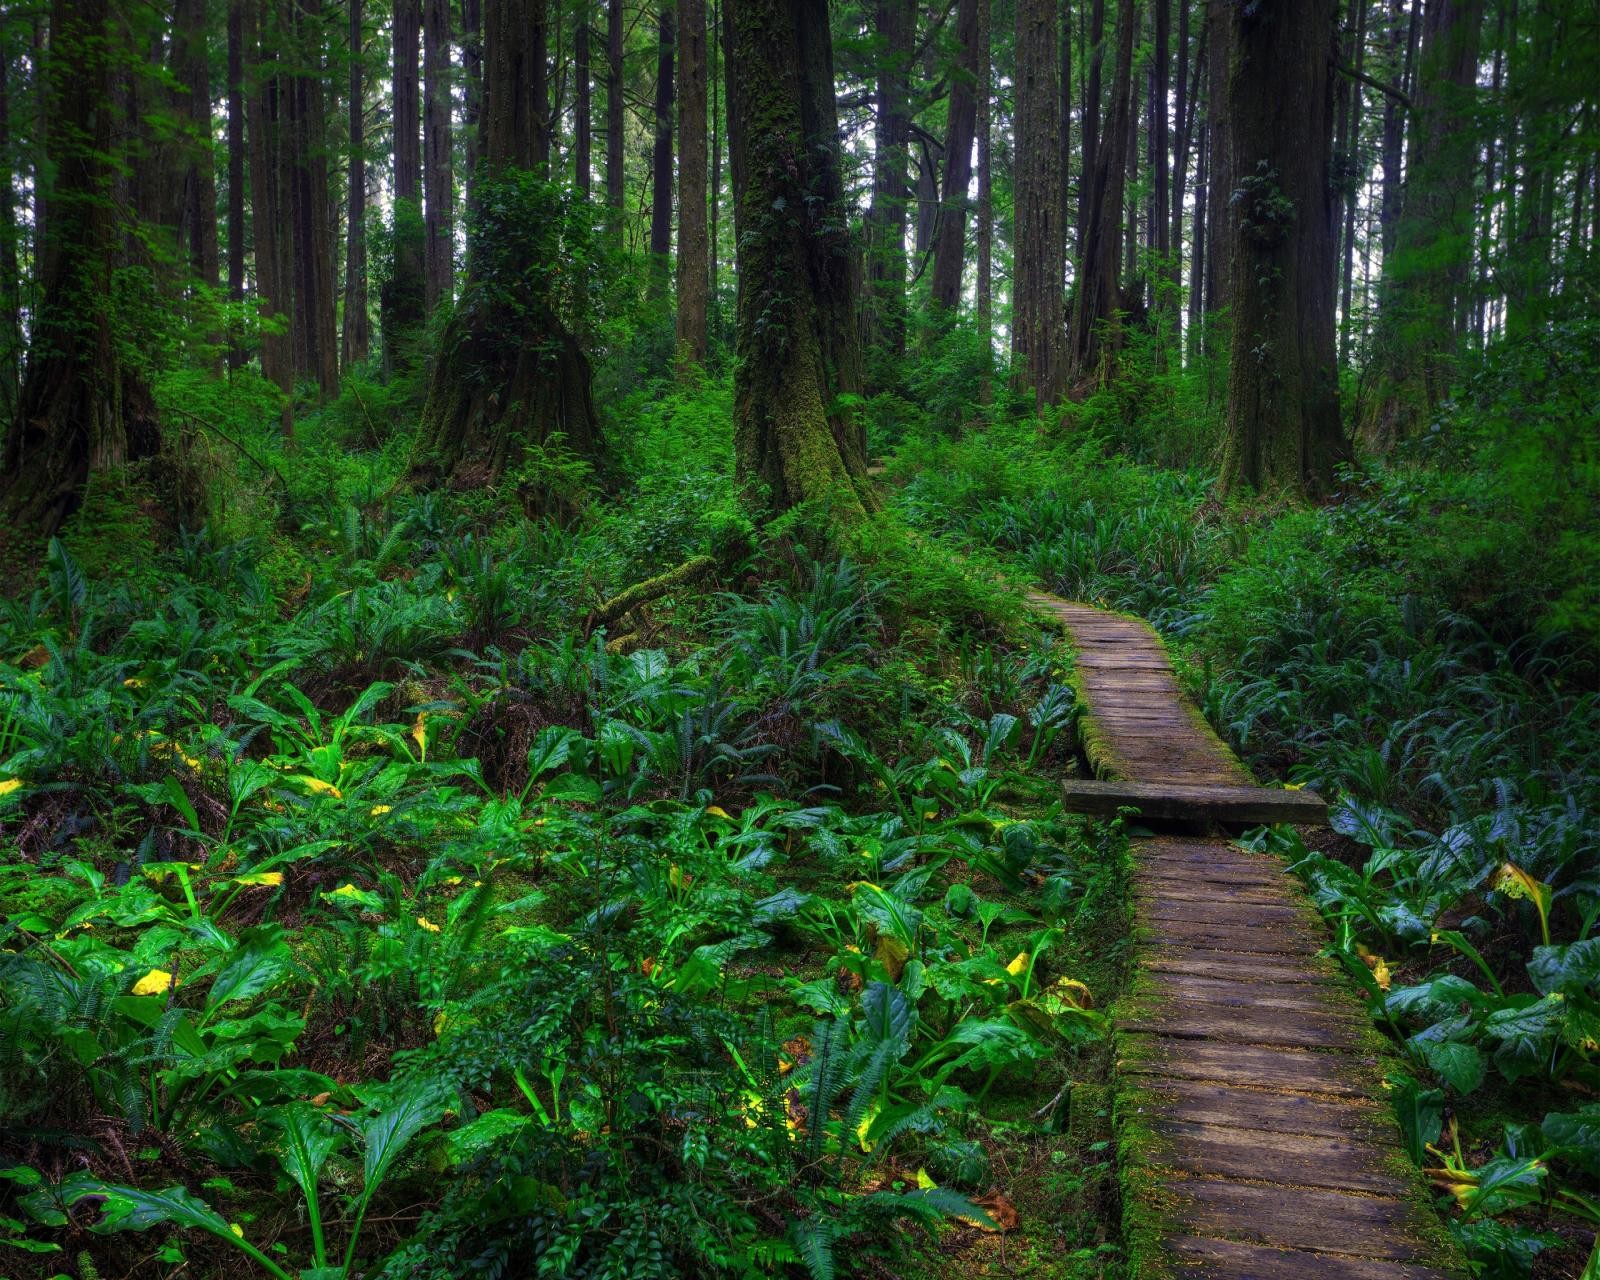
{"type": "Point", "coordinates": [1293, 1159]}
{"type": "Point", "coordinates": [1269, 1068]}
{"type": "Point", "coordinates": [1209, 962]}
{"type": "Point", "coordinates": [1229, 1024]}
{"type": "Point", "coordinates": [1204, 1102]}
{"type": "Point", "coordinates": [1221, 937]}
{"type": "Point", "coordinates": [1157, 906]}
{"type": "Point", "coordinates": [1327, 1221]}
{"type": "Point", "coordinates": [1243, 991]}
{"type": "Point", "coordinates": [1230, 1260]}
{"type": "Point", "coordinates": [1178, 800]}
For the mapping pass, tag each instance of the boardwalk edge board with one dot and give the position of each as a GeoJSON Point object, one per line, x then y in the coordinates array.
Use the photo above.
{"type": "Point", "coordinates": [1251, 1135]}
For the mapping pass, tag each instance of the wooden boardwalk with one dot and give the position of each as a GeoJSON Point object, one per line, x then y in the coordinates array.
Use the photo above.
{"type": "Point", "coordinates": [1252, 1140]}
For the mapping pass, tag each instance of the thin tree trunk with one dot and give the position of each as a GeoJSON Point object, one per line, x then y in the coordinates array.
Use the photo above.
{"type": "Point", "coordinates": [438, 176]}
{"type": "Point", "coordinates": [1284, 432]}
{"type": "Point", "coordinates": [693, 247]}
{"type": "Point", "coordinates": [403, 299]}
{"type": "Point", "coordinates": [883, 327]}
{"type": "Point", "coordinates": [1182, 117]}
{"type": "Point", "coordinates": [407, 100]}
{"type": "Point", "coordinates": [269, 205]}
{"type": "Point", "coordinates": [1160, 144]}
{"type": "Point", "coordinates": [197, 211]}
{"type": "Point", "coordinates": [1064, 217]}
{"type": "Point", "coordinates": [583, 106]}
{"type": "Point", "coordinates": [1037, 339]}
{"type": "Point", "coordinates": [1351, 169]}
{"type": "Point", "coordinates": [1199, 265]}
{"type": "Point", "coordinates": [1219, 164]}
{"type": "Point", "coordinates": [237, 155]}
{"type": "Point", "coordinates": [356, 339]}
{"type": "Point", "coordinates": [1091, 120]}
{"type": "Point", "coordinates": [10, 275]}
{"type": "Point", "coordinates": [984, 289]}
{"type": "Point", "coordinates": [614, 119]}
{"type": "Point", "coordinates": [1096, 328]}
{"type": "Point", "coordinates": [661, 154]}
{"type": "Point", "coordinates": [472, 74]}
{"type": "Point", "coordinates": [315, 340]}
{"type": "Point", "coordinates": [949, 256]}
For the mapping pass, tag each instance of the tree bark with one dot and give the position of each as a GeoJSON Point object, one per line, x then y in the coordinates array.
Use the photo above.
{"type": "Point", "coordinates": [82, 408]}
{"type": "Point", "coordinates": [315, 341]}
{"type": "Point", "coordinates": [510, 375]}
{"type": "Point", "coordinates": [1097, 300]}
{"type": "Point", "coordinates": [10, 273]}
{"type": "Point", "coordinates": [403, 300]}
{"type": "Point", "coordinates": [269, 203]}
{"type": "Point", "coordinates": [615, 142]}
{"type": "Point", "coordinates": [1037, 339]}
{"type": "Point", "coordinates": [583, 104]}
{"type": "Point", "coordinates": [236, 169]}
{"type": "Point", "coordinates": [798, 347]}
{"type": "Point", "coordinates": [197, 200]}
{"type": "Point", "coordinates": [949, 255]}
{"type": "Point", "coordinates": [661, 154]}
{"type": "Point", "coordinates": [1161, 176]}
{"type": "Point", "coordinates": [1091, 115]}
{"type": "Point", "coordinates": [1351, 171]}
{"type": "Point", "coordinates": [472, 74]}
{"type": "Point", "coordinates": [356, 338]}
{"type": "Point", "coordinates": [883, 325]}
{"type": "Point", "coordinates": [984, 288]}
{"type": "Point", "coordinates": [438, 175]}
{"type": "Point", "coordinates": [1218, 161]}
{"type": "Point", "coordinates": [1283, 433]}
{"type": "Point", "coordinates": [693, 247]}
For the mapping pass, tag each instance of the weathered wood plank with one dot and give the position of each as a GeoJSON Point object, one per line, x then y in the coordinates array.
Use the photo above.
{"type": "Point", "coordinates": [1282, 1028]}
{"type": "Point", "coordinates": [1205, 1102]}
{"type": "Point", "coordinates": [1180, 800]}
{"type": "Point", "coordinates": [1270, 1068]}
{"type": "Point", "coordinates": [1293, 1159]}
{"type": "Point", "coordinates": [1326, 1221]}
{"type": "Point", "coordinates": [1230, 1260]}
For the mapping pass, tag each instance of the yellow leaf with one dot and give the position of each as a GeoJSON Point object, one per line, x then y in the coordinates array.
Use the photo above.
{"type": "Point", "coordinates": [440, 1021]}
{"type": "Point", "coordinates": [153, 983]}
{"type": "Point", "coordinates": [1016, 967]}
{"type": "Point", "coordinates": [419, 733]}
{"type": "Point", "coordinates": [1514, 882]}
{"type": "Point", "coordinates": [892, 954]}
{"type": "Point", "coordinates": [717, 811]}
{"type": "Point", "coordinates": [865, 1127]}
{"type": "Point", "coordinates": [1294, 786]}
{"type": "Point", "coordinates": [675, 876]}
{"type": "Point", "coordinates": [133, 682]}
{"type": "Point", "coordinates": [378, 810]}
{"type": "Point", "coordinates": [346, 891]}
{"type": "Point", "coordinates": [317, 786]}
{"type": "Point", "coordinates": [427, 924]}
{"type": "Point", "coordinates": [924, 1182]}
{"type": "Point", "coordinates": [10, 785]}
{"type": "Point", "coordinates": [260, 879]}
{"type": "Point", "coordinates": [236, 1229]}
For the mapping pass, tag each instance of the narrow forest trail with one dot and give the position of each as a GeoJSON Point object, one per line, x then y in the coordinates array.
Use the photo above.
{"type": "Point", "coordinates": [1251, 1139]}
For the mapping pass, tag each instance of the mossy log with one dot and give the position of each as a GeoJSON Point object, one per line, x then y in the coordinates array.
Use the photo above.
{"type": "Point", "coordinates": [642, 593]}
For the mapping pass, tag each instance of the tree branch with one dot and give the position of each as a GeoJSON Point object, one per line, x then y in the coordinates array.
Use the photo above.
{"type": "Point", "coordinates": [1371, 83]}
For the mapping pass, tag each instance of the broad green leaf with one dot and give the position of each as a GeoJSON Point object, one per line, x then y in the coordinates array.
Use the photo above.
{"type": "Point", "coordinates": [308, 1140]}
{"type": "Point", "coordinates": [259, 961]}
{"type": "Point", "coordinates": [1567, 969]}
{"type": "Point", "coordinates": [1461, 1065]}
{"type": "Point", "coordinates": [491, 1129]}
{"type": "Point", "coordinates": [411, 1108]}
{"type": "Point", "coordinates": [1577, 1134]}
{"type": "Point", "coordinates": [135, 1209]}
{"type": "Point", "coordinates": [1527, 1030]}
{"type": "Point", "coordinates": [889, 1014]}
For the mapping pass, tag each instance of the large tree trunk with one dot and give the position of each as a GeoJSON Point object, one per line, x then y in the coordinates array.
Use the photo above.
{"type": "Point", "coordinates": [472, 74]}
{"type": "Point", "coordinates": [615, 141]}
{"type": "Point", "coordinates": [1037, 338]}
{"type": "Point", "coordinates": [949, 255]}
{"type": "Point", "coordinates": [693, 249]}
{"type": "Point", "coordinates": [1425, 279]}
{"type": "Point", "coordinates": [357, 334]}
{"type": "Point", "coordinates": [798, 346]}
{"type": "Point", "coordinates": [315, 342]}
{"type": "Point", "coordinates": [1218, 162]}
{"type": "Point", "coordinates": [236, 168]}
{"type": "Point", "coordinates": [983, 290]}
{"type": "Point", "coordinates": [661, 154]}
{"type": "Point", "coordinates": [1160, 185]}
{"type": "Point", "coordinates": [197, 190]}
{"type": "Point", "coordinates": [403, 300]}
{"type": "Point", "coordinates": [269, 205]}
{"type": "Point", "coordinates": [1347, 160]}
{"type": "Point", "coordinates": [1097, 300]}
{"type": "Point", "coordinates": [438, 177]}
{"type": "Point", "coordinates": [883, 321]}
{"type": "Point", "coordinates": [1096, 49]}
{"type": "Point", "coordinates": [10, 273]}
{"type": "Point", "coordinates": [1283, 432]}
{"type": "Point", "coordinates": [510, 374]}
{"type": "Point", "coordinates": [81, 409]}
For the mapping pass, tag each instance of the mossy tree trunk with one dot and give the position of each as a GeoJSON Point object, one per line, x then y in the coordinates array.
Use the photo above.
{"type": "Point", "coordinates": [798, 348]}
{"type": "Point", "coordinates": [883, 321]}
{"type": "Point", "coordinates": [949, 254]}
{"type": "Point", "coordinates": [509, 374]}
{"type": "Point", "coordinates": [1038, 337]}
{"type": "Point", "coordinates": [402, 301]}
{"type": "Point", "coordinates": [1283, 433]}
{"type": "Point", "coordinates": [82, 408]}
{"type": "Point", "coordinates": [694, 247]}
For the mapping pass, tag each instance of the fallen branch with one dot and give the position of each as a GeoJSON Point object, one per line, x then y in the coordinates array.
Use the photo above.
{"type": "Point", "coordinates": [650, 589]}
{"type": "Point", "coordinates": [267, 467]}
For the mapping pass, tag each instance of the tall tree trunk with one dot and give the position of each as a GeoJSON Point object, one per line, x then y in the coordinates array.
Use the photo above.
{"type": "Point", "coordinates": [236, 168]}
{"type": "Point", "coordinates": [10, 273]}
{"type": "Point", "coordinates": [403, 300]}
{"type": "Point", "coordinates": [1096, 325]}
{"type": "Point", "coordinates": [1491, 203]}
{"type": "Point", "coordinates": [1351, 171]}
{"type": "Point", "coordinates": [1037, 339]}
{"type": "Point", "coordinates": [798, 346]}
{"type": "Point", "coordinates": [197, 193]}
{"type": "Point", "coordinates": [510, 375]}
{"type": "Point", "coordinates": [715, 53]}
{"type": "Point", "coordinates": [1427, 275]}
{"type": "Point", "coordinates": [1161, 184]}
{"type": "Point", "coordinates": [472, 74]}
{"type": "Point", "coordinates": [81, 406]}
{"type": "Point", "coordinates": [949, 255]}
{"type": "Point", "coordinates": [984, 288]}
{"type": "Point", "coordinates": [315, 341]}
{"type": "Point", "coordinates": [1064, 219]}
{"type": "Point", "coordinates": [1219, 164]}
{"type": "Point", "coordinates": [1182, 118]}
{"type": "Point", "coordinates": [693, 247]}
{"type": "Point", "coordinates": [1199, 266]}
{"type": "Point", "coordinates": [438, 175]}
{"type": "Point", "coordinates": [884, 316]}
{"type": "Point", "coordinates": [1283, 432]}
{"type": "Point", "coordinates": [583, 105]}
{"type": "Point", "coordinates": [356, 339]}
{"type": "Point", "coordinates": [1133, 282]}
{"type": "Point", "coordinates": [661, 154]}
{"type": "Point", "coordinates": [615, 142]}
{"type": "Point", "coordinates": [269, 202]}
{"type": "Point", "coordinates": [1403, 26]}
{"type": "Point", "coordinates": [1091, 117]}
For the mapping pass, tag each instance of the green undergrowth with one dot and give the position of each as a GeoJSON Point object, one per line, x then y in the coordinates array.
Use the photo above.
{"type": "Point", "coordinates": [1422, 650]}
{"type": "Point", "coordinates": [365, 913]}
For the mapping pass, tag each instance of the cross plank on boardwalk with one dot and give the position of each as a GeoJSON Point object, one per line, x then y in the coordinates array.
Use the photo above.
{"type": "Point", "coordinates": [1244, 1056]}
